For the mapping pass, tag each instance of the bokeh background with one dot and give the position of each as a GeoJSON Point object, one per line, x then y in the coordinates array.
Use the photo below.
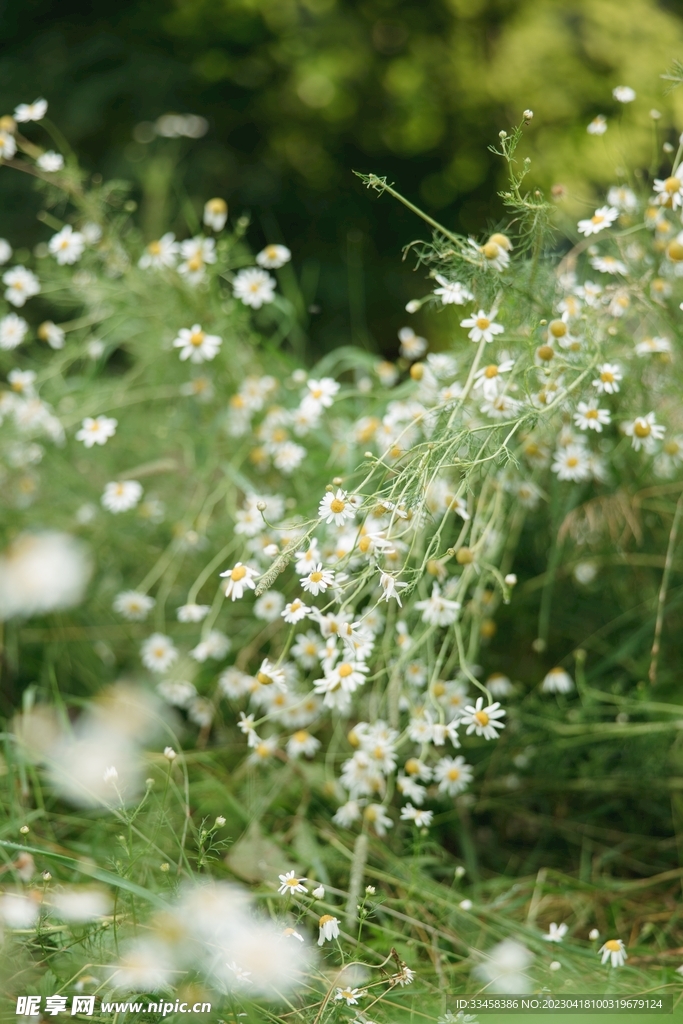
{"type": "Point", "coordinates": [298, 93]}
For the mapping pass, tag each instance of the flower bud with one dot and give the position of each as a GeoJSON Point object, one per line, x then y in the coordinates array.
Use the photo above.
{"type": "Point", "coordinates": [528, 114]}
{"type": "Point", "coordinates": [511, 579]}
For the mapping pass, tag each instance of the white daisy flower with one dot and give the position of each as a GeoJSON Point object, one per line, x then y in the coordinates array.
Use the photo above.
{"type": "Point", "coordinates": [347, 814]}
{"type": "Point", "coordinates": [572, 463]}
{"type": "Point", "coordinates": [598, 126]}
{"type": "Point", "coordinates": [196, 345]}
{"type": "Point", "coordinates": [318, 580]}
{"type": "Point", "coordinates": [349, 995]}
{"type": "Point", "coordinates": [590, 417]}
{"type": "Point", "coordinates": [21, 283]}
{"type": "Point", "coordinates": [556, 932]}
{"type": "Point", "coordinates": [602, 218]}
{"type": "Point", "coordinates": [376, 816]}
{"type": "Point", "coordinates": [483, 721]}
{"type": "Point", "coordinates": [197, 253]}
{"type": "Point", "coordinates": [269, 606]}
{"type": "Point", "coordinates": [52, 334]}
{"type": "Point", "coordinates": [609, 377]}
{"type": "Point", "coordinates": [192, 612]}
{"type": "Point", "coordinates": [160, 253]}
{"type": "Point", "coordinates": [158, 653]}
{"type": "Point", "coordinates": [557, 681]}
{"type": "Point", "coordinates": [412, 346]}
{"type": "Point", "coordinates": [35, 111]}
{"type": "Point", "coordinates": [482, 326]}
{"type": "Point", "coordinates": [420, 818]}
{"type": "Point", "coordinates": [291, 883]}
{"type": "Point", "coordinates": [453, 775]}
{"type": "Point", "coordinates": [50, 161]}
{"type": "Point", "coordinates": [13, 330]}
{"type": "Point", "coordinates": [254, 287]}
{"type": "Point", "coordinates": [215, 214]}
{"type": "Point", "coordinates": [8, 145]}
{"type": "Point", "coordinates": [624, 93]}
{"type": "Point", "coordinates": [336, 508]}
{"type": "Point", "coordinates": [21, 382]}
{"type": "Point", "coordinates": [97, 430]}
{"type": "Point", "coordinates": [653, 346]}
{"type": "Point", "coordinates": [438, 610]}
{"type": "Point", "coordinates": [121, 495]}
{"type": "Point", "coordinates": [329, 929]}
{"type": "Point", "coordinates": [295, 611]}
{"type": "Point", "coordinates": [133, 606]}
{"type": "Point", "coordinates": [390, 587]}
{"type": "Point", "coordinates": [302, 742]}
{"type": "Point", "coordinates": [239, 578]}
{"type": "Point", "coordinates": [615, 951]}
{"type": "Point", "coordinates": [67, 245]}
{"type": "Point", "coordinates": [216, 645]}
{"type": "Point", "coordinates": [289, 456]}
{"type": "Point", "coordinates": [623, 197]}
{"type": "Point", "coordinates": [489, 378]}
{"type": "Point", "coordinates": [452, 292]}
{"type": "Point", "coordinates": [644, 432]}
{"type": "Point", "coordinates": [320, 393]}
{"type": "Point", "coordinates": [609, 265]}
{"type": "Point", "coordinates": [273, 257]}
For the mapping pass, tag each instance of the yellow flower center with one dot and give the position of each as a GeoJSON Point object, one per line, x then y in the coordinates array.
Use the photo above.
{"type": "Point", "coordinates": [613, 945]}
{"type": "Point", "coordinates": [606, 377]}
{"type": "Point", "coordinates": [263, 750]}
{"type": "Point", "coordinates": [672, 185]}
{"type": "Point", "coordinates": [345, 670]}
{"type": "Point", "coordinates": [325, 919]}
{"type": "Point", "coordinates": [238, 573]}
{"type": "Point", "coordinates": [197, 338]}
{"type": "Point", "coordinates": [491, 371]}
{"type": "Point", "coordinates": [483, 323]}
{"type": "Point", "coordinates": [315, 577]}
{"type": "Point", "coordinates": [672, 448]}
{"type": "Point", "coordinates": [254, 286]}
{"type": "Point", "coordinates": [295, 605]}
{"type": "Point", "coordinates": [337, 505]}
{"type": "Point", "coordinates": [481, 717]}
{"type": "Point", "coordinates": [642, 428]}
{"type": "Point", "coordinates": [300, 736]}
{"type": "Point", "coordinates": [591, 414]}
{"type": "Point", "coordinates": [264, 679]}
{"type": "Point", "coordinates": [412, 766]}
{"type": "Point", "coordinates": [217, 205]}
{"type": "Point", "coordinates": [453, 774]}
{"type": "Point", "coordinates": [597, 218]}
{"type": "Point", "coordinates": [572, 461]}
{"type": "Point", "coordinates": [154, 248]}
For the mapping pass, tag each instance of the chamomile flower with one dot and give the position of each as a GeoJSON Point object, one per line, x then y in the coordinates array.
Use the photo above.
{"type": "Point", "coordinates": [572, 463]}
{"type": "Point", "coordinates": [196, 345]}
{"type": "Point", "coordinates": [302, 742]}
{"type": "Point", "coordinates": [614, 951]}
{"type": "Point", "coordinates": [438, 610]}
{"type": "Point", "coordinates": [67, 245]}
{"type": "Point", "coordinates": [556, 932]}
{"type": "Point", "coordinates": [318, 580]}
{"type": "Point", "coordinates": [482, 326]}
{"type": "Point", "coordinates": [644, 432]}
{"type": "Point", "coordinates": [192, 612]}
{"type": "Point", "coordinates": [453, 775]}
{"type": "Point", "coordinates": [21, 283]}
{"type": "Point", "coordinates": [557, 681]}
{"type": "Point", "coordinates": [158, 653]}
{"type": "Point", "coordinates": [254, 287]}
{"type": "Point", "coordinates": [608, 265]}
{"type": "Point", "coordinates": [215, 214]}
{"type": "Point", "coordinates": [35, 111]}
{"type": "Point", "coordinates": [295, 611]}
{"type": "Point", "coordinates": [598, 126]}
{"type": "Point", "coordinates": [240, 578]}
{"type": "Point", "coordinates": [420, 818]}
{"type": "Point", "coordinates": [121, 495]}
{"type": "Point", "coordinates": [273, 256]}
{"type": "Point", "coordinates": [133, 606]}
{"type": "Point", "coordinates": [489, 379]}
{"type": "Point", "coordinates": [608, 379]}
{"type": "Point", "coordinates": [291, 883]}
{"type": "Point", "coordinates": [590, 417]}
{"type": "Point", "coordinates": [653, 346]}
{"type": "Point", "coordinates": [320, 393]}
{"type": "Point", "coordinates": [163, 252]}
{"type": "Point", "coordinates": [96, 430]}
{"type": "Point", "coordinates": [349, 995]}
{"type": "Point", "coordinates": [269, 606]}
{"type": "Point", "coordinates": [13, 330]}
{"type": "Point", "coordinates": [452, 292]}
{"type": "Point", "coordinates": [390, 587]}
{"type": "Point", "coordinates": [197, 253]}
{"type": "Point", "coordinates": [216, 645]}
{"type": "Point", "coordinates": [336, 507]}
{"type": "Point", "coordinates": [329, 929]}
{"type": "Point", "coordinates": [624, 93]}
{"type": "Point", "coordinates": [603, 218]}
{"type": "Point", "coordinates": [483, 721]}
{"type": "Point", "coordinates": [21, 382]}
{"type": "Point", "coordinates": [412, 346]}
{"type": "Point", "coordinates": [50, 162]}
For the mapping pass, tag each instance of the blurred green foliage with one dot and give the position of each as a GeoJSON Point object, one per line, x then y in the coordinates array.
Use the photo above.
{"type": "Point", "coordinates": [298, 93]}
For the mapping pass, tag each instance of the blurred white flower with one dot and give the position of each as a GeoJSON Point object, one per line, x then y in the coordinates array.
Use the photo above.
{"type": "Point", "coordinates": [42, 572]}
{"type": "Point", "coordinates": [35, 111]}
{"type": "Point", "coordinates": [505, 968]}
{"type": "Point", "coordinates": [50, 161]}
{"type": "Point", "coordinates": [273, 257]}
{"type": "Point", "coordinates": [254, 287]}
{"type": "Point", "coordinates": [215, 214]}
{"type": "Point", "coordinates": [67, 245]}
{"type": "Point", "coordinates": [121, 495]}
{"type": "Point", "coordinates": [21, 283]}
